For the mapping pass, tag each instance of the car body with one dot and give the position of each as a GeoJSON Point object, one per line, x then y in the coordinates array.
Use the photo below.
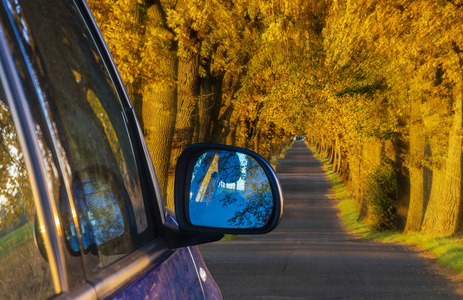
{"type": "Point", "coordinates": [82, 216]}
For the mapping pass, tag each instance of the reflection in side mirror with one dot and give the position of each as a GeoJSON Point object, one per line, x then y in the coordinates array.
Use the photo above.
{"type": "Point", "coordinates": [229, 190]}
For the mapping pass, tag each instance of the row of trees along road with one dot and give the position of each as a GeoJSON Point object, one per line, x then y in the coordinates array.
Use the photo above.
{"type": "Point", "coordinates": [375, 85]}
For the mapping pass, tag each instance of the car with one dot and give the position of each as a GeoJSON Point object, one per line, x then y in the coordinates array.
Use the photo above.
{"type": "Point", "coordinates": [81, 212]}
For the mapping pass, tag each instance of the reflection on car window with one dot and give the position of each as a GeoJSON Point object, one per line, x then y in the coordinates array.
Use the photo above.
{"type": "Point", "coordinates": [24, 273]}
{"type": "Point", "coordinates": [102, 184]}
{"type": "Point", "coordinates": [229, 190]}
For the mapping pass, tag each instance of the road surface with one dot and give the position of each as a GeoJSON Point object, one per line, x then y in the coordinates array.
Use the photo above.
{"type": "Point", "coordinates": [311, 256]}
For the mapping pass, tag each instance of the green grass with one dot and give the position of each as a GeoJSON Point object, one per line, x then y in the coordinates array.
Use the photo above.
{"type": "Point", "coordinates": [447, 250]}
{"type": "Point", "coordinates": [274, 161]}
{"type": "Point", "coordinates": [230, 237]}
{"type": "Point", "coordinates": [16, 238]}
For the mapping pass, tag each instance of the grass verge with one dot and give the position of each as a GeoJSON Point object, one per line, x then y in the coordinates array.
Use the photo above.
{"type": "Point", "coordinates": [230, 237]}
{"type": "Point", "coordinates": [448, 251]}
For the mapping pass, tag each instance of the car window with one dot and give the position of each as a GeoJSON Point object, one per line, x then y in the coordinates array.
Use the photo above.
{"type": "Point", "coordinates": [24, 273]}
{"type": "Point", "coordinates": [103, 211]}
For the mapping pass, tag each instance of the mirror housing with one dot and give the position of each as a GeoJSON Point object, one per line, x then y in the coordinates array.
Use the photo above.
{"type": "Point", "coordinates": [227, 190]}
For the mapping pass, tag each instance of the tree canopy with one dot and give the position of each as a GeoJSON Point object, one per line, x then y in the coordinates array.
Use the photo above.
{"type": "Point", "coordinates": [372, 84]}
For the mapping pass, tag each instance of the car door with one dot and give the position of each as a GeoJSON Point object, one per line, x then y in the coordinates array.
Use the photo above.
{"type": "Point", "coordinates": [99, 207]}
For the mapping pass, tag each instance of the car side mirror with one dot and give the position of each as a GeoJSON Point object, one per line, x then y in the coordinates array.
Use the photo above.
{"type": "Point", "coordinates": [225, 189]}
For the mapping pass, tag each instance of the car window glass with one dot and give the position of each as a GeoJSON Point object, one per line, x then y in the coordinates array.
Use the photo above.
{"type": "Point", "coordinates": [24, 273]}
{"type": "Point", "coordinates": [102, 187]}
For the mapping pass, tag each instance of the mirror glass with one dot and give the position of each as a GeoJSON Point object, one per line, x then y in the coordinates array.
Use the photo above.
{"type": "Point", "coordinates": [229, 190]}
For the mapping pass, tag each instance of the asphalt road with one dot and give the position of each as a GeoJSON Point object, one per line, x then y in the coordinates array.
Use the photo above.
{"type": "Point", "coordinates": [310, 255]}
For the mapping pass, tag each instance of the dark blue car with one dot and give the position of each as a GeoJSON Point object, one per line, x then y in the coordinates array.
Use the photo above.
{"type": "Point", "coordinates": [81, 214]}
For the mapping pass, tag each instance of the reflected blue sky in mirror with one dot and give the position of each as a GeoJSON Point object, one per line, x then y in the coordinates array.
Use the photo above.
{"type": "Point", "coordinates": [229, 190]}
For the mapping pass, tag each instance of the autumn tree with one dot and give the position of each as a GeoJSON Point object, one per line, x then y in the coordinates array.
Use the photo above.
{"type": "Point", "coordinates": [369, 82]}
{"type": "Point", "coordinates": [399, 65]}
{"type": "Point", "coordinates": [146, 53]}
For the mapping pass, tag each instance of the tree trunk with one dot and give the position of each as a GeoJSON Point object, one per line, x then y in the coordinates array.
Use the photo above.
{"type": "Point", "coordinates": [205, 104]}
{"type": "Point", "coordinates": [337, 154]}
{"type": "Point", "coordinates": [216, 105]}
{"type": "Point", "coordinates": [160, 101]}
{"type": "Point", "coordinates": [188, 92]}
{"type": "Point", "coordinates": [443, 214]}
{"type": "Point", "coordinates": [332, 152]}
{"type": "Point", "coordinates": [233, 127]}
{"type": "Point", "coordinates": [221, 128]}
{"type": "Point", "coordinates": [196, 124]}
{"type": "Point", "coordinates": [135, 89]}
{"type": "Point", "coordinates": [403, 182]}
{"type": "Point", "coordinates": [417, 144]}
{"type": "Point", "coordinates": [345, 169]}
{"type": "Point", "coordinates": [256, 144]}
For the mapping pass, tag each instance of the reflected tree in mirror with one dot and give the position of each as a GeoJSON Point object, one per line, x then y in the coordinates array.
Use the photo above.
{"type": "Point", "coordinates": [98, 196]}
{"type": "Point", "coordinates": [229, 190]}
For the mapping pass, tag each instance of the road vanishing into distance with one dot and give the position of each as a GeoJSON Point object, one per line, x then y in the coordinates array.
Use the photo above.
{"type": "Point", "coordinates": [311, 256]}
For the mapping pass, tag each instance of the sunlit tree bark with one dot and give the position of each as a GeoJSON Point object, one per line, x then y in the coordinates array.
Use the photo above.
{"type": "Point", "coordinates": [417, 145]}
{"type": "Point", "coordinates": [443, 213]}
{"type": "Point", "coordinates": [160, 98]}
{"type": "Point", "coordinates": [188, 93]}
